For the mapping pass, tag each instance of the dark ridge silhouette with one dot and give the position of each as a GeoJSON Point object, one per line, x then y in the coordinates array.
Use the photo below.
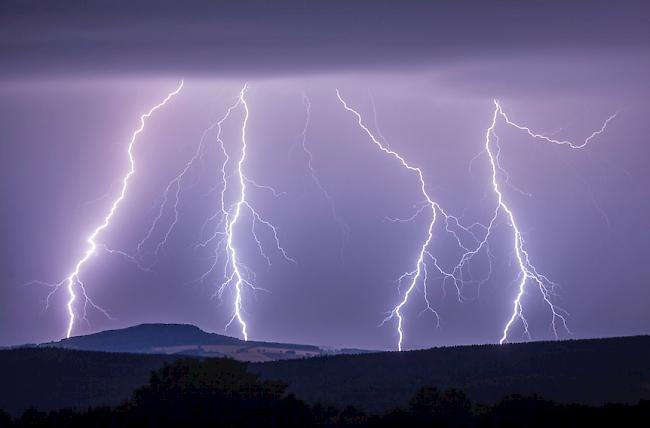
{"type": "Point", "coordinates": [594, 371]}
{"type": "Point", "coordinates": [221, 392]}
{"type": "Point", "coordinates": [52, 378]}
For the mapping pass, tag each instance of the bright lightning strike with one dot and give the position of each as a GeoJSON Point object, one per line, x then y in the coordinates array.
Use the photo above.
{"type": "Point", "coordinates": [345, 229]}
{"type": "Point", "coordinates": [174, 187]}
{"type": "Point", "coordinates": [478, 233]}
{"type": "Point", "coordinates": [419, 273]}
{"type": "Point", "coordinates": [237, 275]}
{"type": "Point", "coordinates": [73, 280]}
{"type": "Point", "coordinates": [527, 271]}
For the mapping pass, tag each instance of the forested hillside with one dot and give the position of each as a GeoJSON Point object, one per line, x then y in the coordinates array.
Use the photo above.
{"type": "Point", "coordinates": [591, 371]}
{"type": "Point", "coordinates": [582, 371]}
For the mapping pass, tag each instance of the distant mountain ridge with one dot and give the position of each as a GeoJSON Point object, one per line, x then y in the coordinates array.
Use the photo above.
{"type": "Point", "coordinates": [187, 339]}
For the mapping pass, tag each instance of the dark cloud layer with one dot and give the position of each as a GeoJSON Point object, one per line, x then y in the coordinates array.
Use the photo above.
{"type": "Point", "coordinates": [249, 37]}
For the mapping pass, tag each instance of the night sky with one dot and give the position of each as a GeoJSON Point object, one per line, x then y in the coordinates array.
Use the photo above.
{"type": "Point", "coordinates": [75, 78]}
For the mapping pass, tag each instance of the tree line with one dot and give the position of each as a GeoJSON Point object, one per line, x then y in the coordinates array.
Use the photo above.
{"type": "Point", "coordinates": [224, 393]}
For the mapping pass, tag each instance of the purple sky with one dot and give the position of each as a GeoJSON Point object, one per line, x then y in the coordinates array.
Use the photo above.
{"type": "Point", "coordinates": [73, 83]}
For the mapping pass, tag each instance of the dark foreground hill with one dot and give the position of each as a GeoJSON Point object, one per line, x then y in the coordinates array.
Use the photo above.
{"type": "Point", "coordinates": [593, 371]}
{"type": "Point", "coordinates": [52, 378]}
{"type": "Point", "coordinates": [584, 371]}
{"type": "Point", "coordinates": [222, 392]}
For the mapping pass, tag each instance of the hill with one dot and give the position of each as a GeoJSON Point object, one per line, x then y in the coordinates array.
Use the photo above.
{"type": "Point", "coordinates": [183, 339]}
{"type": "Point", "coordinates": [591, 371]}
{"type": "Point", "coordinates": [52, 378]}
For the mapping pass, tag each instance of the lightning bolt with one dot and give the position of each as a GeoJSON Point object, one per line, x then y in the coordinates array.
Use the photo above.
{"type": "Point", "coordinates": [237, 275]}
{"type": "Point", "coordinates": [527, 271]}
{"type": "Point", "coordinates": [452, 225]}
{"type": "Point", "coordinates": [477, 232]}
{"type": "Point", "coordinates": [345, 229]}
{"type": "Point", "coordinates": [74, 280]}
{"type": "Point", "coordinates": [174, 187]}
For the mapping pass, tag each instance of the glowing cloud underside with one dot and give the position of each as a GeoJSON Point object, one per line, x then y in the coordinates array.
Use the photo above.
{"type": "Point", "coordinates": [73, 280]}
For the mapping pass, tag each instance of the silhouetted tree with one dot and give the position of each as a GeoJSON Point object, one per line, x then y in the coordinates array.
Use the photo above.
{"type": "Point", "coordinates": [351, 417]}
{"type": "Point", "coordinates": [325, 416]}
{"type": "Point", "coordinates": [431, 407]}
{"type": "Point", "coordinates": [214, 391]}
{"type": "Point", "coordinates": [5, 419]}
{"type": "Point", "coordinates": [223, 393]}
{"type": "Point", "coordinates": [32, 418]}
